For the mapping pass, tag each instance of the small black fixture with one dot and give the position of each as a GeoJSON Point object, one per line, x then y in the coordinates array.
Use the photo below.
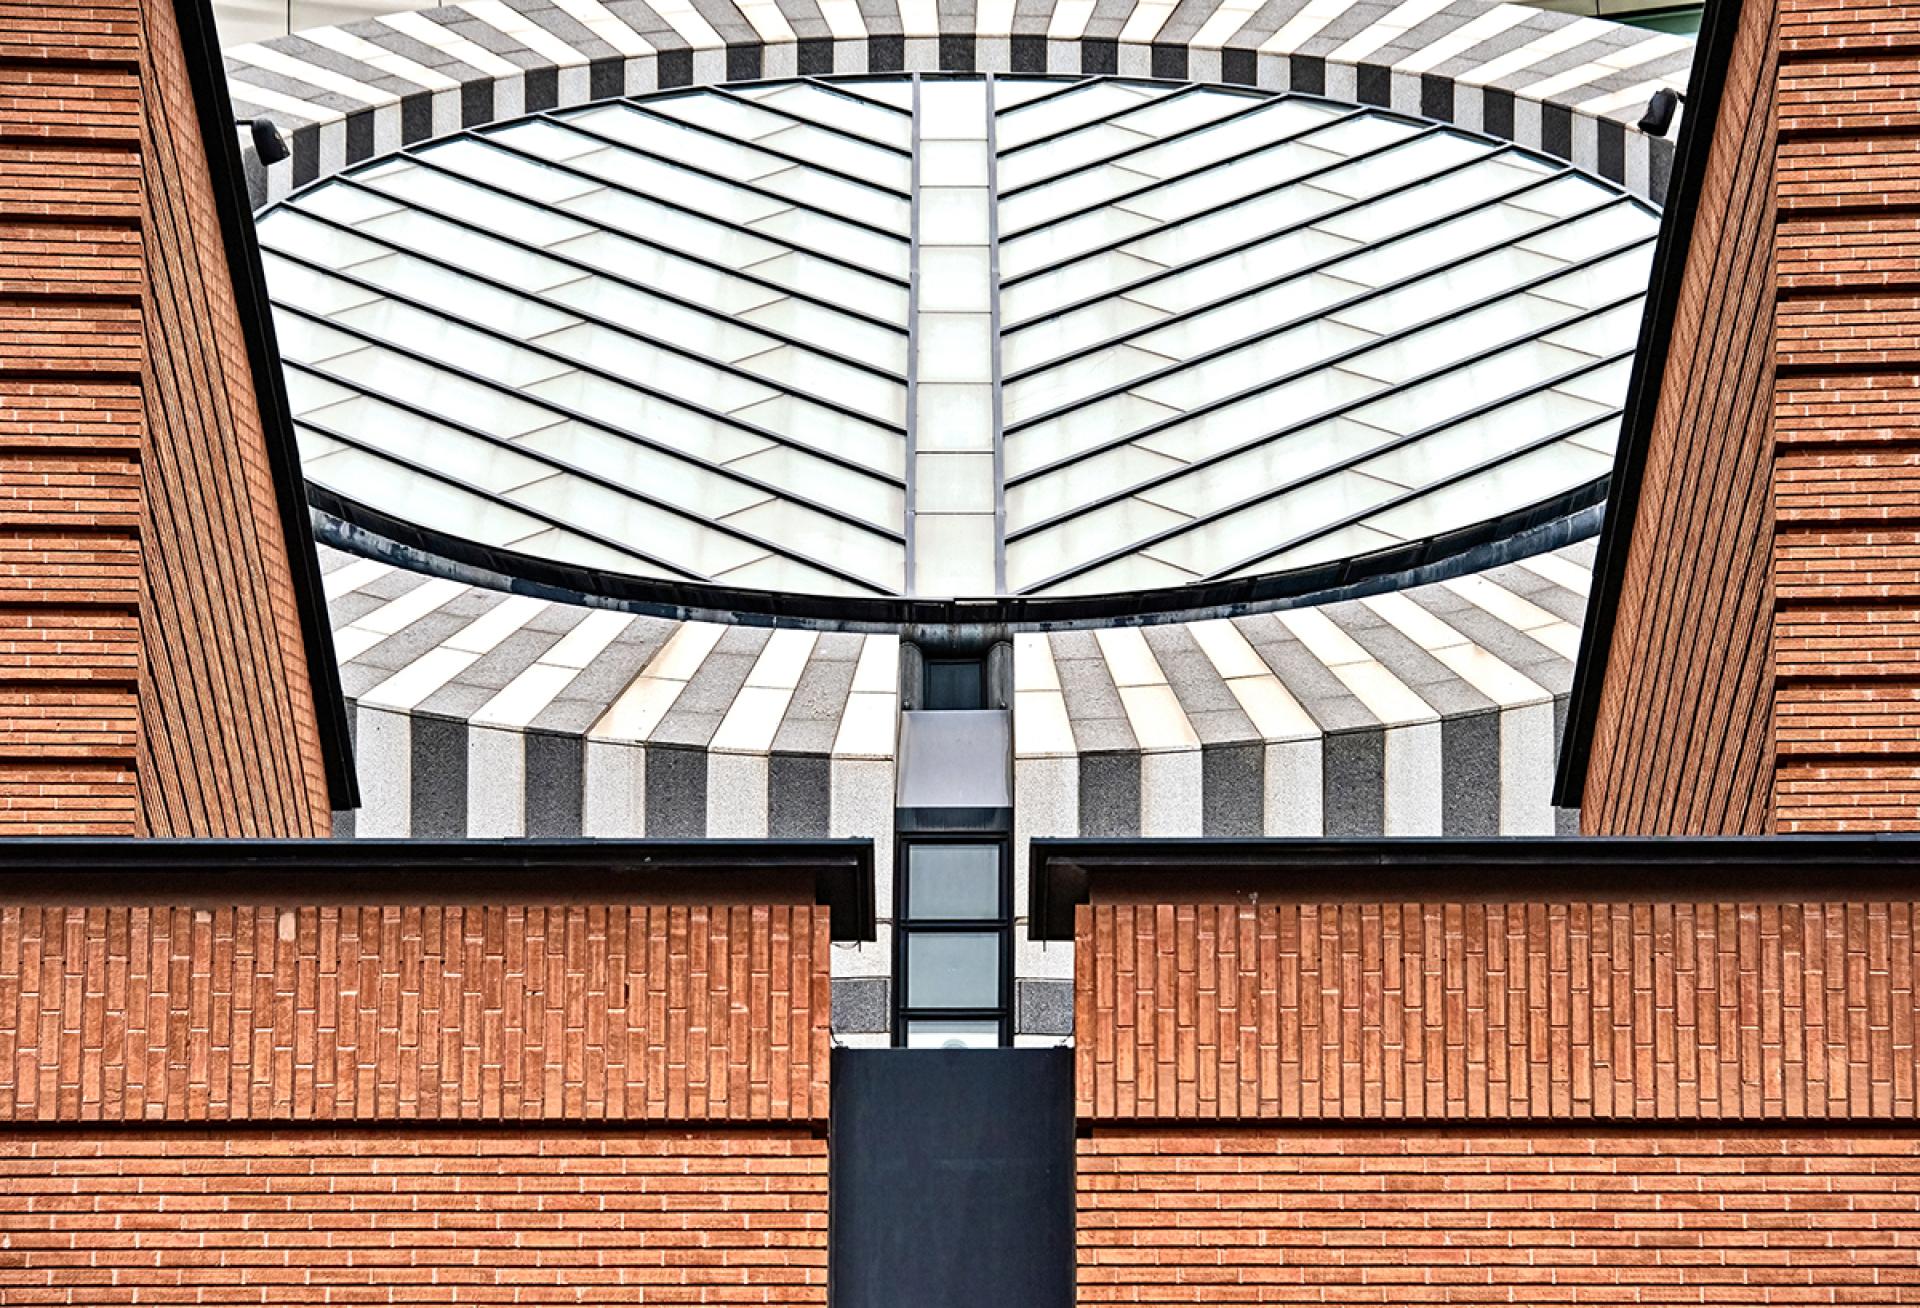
{"type": "Point", "coordinates": [267, 141]}
{"type": "Point", "coordinates": [1659, 116]}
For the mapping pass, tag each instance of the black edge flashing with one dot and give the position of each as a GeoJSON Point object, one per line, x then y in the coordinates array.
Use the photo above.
{"type": "Point", "coordinates": [206, 71]}
{"type": "Point", "coordinates": [1402, 869]}
{"type": "Point", "coordinates": [124, 870]}
{"type": "Point", "coordinates": [1705, 86]}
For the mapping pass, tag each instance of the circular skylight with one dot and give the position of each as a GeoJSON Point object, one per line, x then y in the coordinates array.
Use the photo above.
{"type": "Point", "coordinates": [956, 336]}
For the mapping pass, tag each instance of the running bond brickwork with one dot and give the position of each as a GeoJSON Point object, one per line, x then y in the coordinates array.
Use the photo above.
{"type": "Point", "coordinates": [1847, 418]}
{"type": "Point", "coordinates": [152, 674]}
{"type": "Point", "coordinates": [1544, 1216]}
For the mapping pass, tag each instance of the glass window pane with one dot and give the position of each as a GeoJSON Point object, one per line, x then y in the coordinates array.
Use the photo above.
{"type": "Point", "coordinates": [953, 881]}
{"type": "Point", "coordinates": [953, 969]}
{"type": "Point", "coordinates": [973, 1034]}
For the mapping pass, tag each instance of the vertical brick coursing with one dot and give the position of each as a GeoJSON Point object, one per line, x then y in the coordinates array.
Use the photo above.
{"type": "Point", "coordinates": [1682, 739]}
{"type": "Point", "coordinates": [1464, 1217]}
{"type": "Point", "coordinates": [392, 1218]}
{"type": "Point", "coordinates": [1847, 418]}
{"type": "Point", "coordinates": [152, 673]}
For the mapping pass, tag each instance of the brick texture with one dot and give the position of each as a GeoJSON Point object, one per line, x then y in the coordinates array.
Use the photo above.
{"type": "Point", "coordinates": [262, 1012]}
{"type": "Point", "coordinates": [114, 1218]}
{"type": "Point", "coordinates": [1535, 1012]}
{"type": "Point", "coordinates": [1846, 492]}
{"type": "Point", "coordinates": [152, 673]}
{"type": "Point", "coordinates": [1473, 1217]}
{"type": "Point", "coordinates": [1682, 739]}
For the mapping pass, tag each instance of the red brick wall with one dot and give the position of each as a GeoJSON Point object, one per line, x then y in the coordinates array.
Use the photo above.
{"type": "Point", "coordinates": [1682, 741]}
{"type": "Point", "coordinates": [1362, 1216]}
{"type": "Point", "coordinates": [1847, 480]}
{"type": "Point", "coordinates": [107, 1218]}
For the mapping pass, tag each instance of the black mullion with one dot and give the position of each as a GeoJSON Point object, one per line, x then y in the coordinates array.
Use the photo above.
{"type": "Point", "coordinates": [639, 107]}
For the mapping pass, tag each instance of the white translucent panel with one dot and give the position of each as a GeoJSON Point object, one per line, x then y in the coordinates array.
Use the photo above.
{"type": "Point", "coordinates": [313, 445]}
{"type": "Point", "coordinates": [662, 320]}
{"type": "Point", "coordinates": [451, 243]}
{"type": "Point", "coordinates": [1428, 202]}
{"type": "Point", "coordinates": [1606, 385]}
{"type": "Point", "coordinates": [1602, 282]}
{"type": "Point", "coordinates": [1299, 348]}
{"type": "Point", "coordinates": [1605, 230]}
{"type": "Point", "coordinates": [804, 320]}
{"type": "Point", "coordinates": [953, 110]}
{"type": "Point", "coordinates": [1071, 109]}
{"type": "Point", "coordinates": [467, 403]}
{"type": "Point", "coordinates": [856, 158]}
{"type": "Point", "coordinates": [953, 417]}
{"type": "Point", "coordinates": [854, 245]}
{"type": "Point", "coordinates": [851, 114]}
{"type": "Point", "coordinates": [1074, 381]}
{"type": "Point", "coordinates": [837, 285]}
{"type": "Point", "coordinates": [1258, 416]}
{"type": "Point", "coordinates": [1229, 276]}
{"type": "Point", "coordinates": [431, 503]}
{"type": "Point", "coordinates": [450, 343]}
{"type": "Point", "coordinates": [1368, 131]}
{"type": "Point", "coordinates": [497, 167]}
{"type": "Point", "coordinates": [1012, 92]}
{"type": "Point", "coordinates": [1439, 293]}
{"type": "Point", "coordinates": [659, 420]}
{"type": "Point", "coordinates": [662, 476]}
{"type": "Point", "coordinates": [953, 215]}
{"type": "Point", "coordinates": [1097, 322]}
{"type": "Point", "coordinates": [1420, 405]}
{"type": "Point", "coordinates": [346, 204]}
{"type": "Point", "coordinates": [953, 163]}
{"type": "Point", "coordinates": [1077, 484]}
{"type": "Point", "coordinates": [486, 465]}
{"type": "Point", "coordinates": [1345, 543]}
{"type": "Point", "coordinates": [953, 483]}
{"type": "Point", "coordinates": [571, 547]}
{"type": "Point", "coordinates": [958, 969]}
{"type": "Point", "coordinates": [816, 536]}
{"type": "Point", "coordinates": [895, 91]}
{"type": "Point", "coordinates": [953, 554]}
{"type": "Point", "coordinates": [955, 347]}
{"type": "Point", "coordinates": [1081, 429]}
{"type": "Point", "coordinates": [849, 490]}
{"type": "Point", "coordinates": [1399, 166]}
{"type": "Point", "coordinates": [1314, 449]}
{"type": "Point", "coordinates": [683, 378]}
{"type": "Point", "coordinates": [609, 514]}
{"type": "Point", "coordinates": [305, 392]}
{"type": "Point", "coordinates": [1449, 341]}
{"type": "Point", "coordinates": [292, 231]}
{"type": "Point", "coordinates": [841, 199]}
{"type": "Point", "coordinates": [1216, 187]}
{"type": "Point", "coordinates": [1605, 334]}
{"type": "Point", "coordinates": [811, 427]}
{"type": "Point", "coordinates": [460, 296]}
{"type": "Point", "coordinates": [795, 369]}
{"type": "Point", "coordinates": [1475, 440]}
{"type": "Point", "coordinates": [725, 200]}
{"type": "Point", "coordinates": [720, 113]}
{"type": "Point", "coordinates": [1602, 438]}
{"type": "Point", "coordinates": [302, 339]}
{"type": "Point", "coordinates": [547, 140]}
{"type": "Point", "coordinates": [778, 572]}
{"type": "Point", "coordinates": [1525, 480]}
{"type": "Point", "coordinates": [309, 289]}
{"type": "Point", "coordinates": [1098, 532]}
{"type": "Point", "coordinates": [477, 205]}
{"type": "Point", "coordinates": [680, 144]}
{"type": "Point", "coordinates": [1055, 158]}
{"type": "Point", "coordinates": [1398, 258]}
{"type": "Point", "coordinates": [1237, 320]}
{"type": "Point", "coordinates": [923, 1033]}
{"type": "Point", "coordinates": [1128, 574]}
{"type": "Point", "coordinates": [1080, 280]}
{"type": "Point", "coordinates": [1564, 197]}
{"type": "Point", "coordinates": [1281, 118]}
{"type": "Point", "coordinates": [1066, 240]}
{"type": "Point", "coordinates": [1195, 238]}
{"type": "Point", "coordinates": [1231, 539]}
{"type": "Point", "coordinates": [955, 279]}
{"type": "Point", "coordinates": [623, 257]}
{"type": "Point", "coordinates": [1044, 204]}
{"type": "Point", "coordinates": [674, 229]}
{"type": "Point", "coordinates": [1177, 113]}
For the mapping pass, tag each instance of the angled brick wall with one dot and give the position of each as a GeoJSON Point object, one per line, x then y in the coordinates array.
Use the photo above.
{"type": "Point", "coordinates": [1847, 416]}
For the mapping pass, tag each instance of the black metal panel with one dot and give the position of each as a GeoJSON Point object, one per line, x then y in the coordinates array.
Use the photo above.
{"type": "Point", "coordinates": [952, 1178]}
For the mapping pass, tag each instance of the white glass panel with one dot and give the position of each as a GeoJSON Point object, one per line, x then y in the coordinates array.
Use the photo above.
{"type": "Point", "coordinates": [610, 514]}
{"type": "Point", "coordinates": [621, 256]}
{"type": "Point", "coordinates": [803, 371]}
{"type": "Point", "coordinates": [303, 339]}
{"type": "Point", "coordinates": [659, 420]}
{"type": "Point", "coordinates": [1369, 131]}
{"type": "Point", "coordinates": [855, 158]}
{"type": "Point", "coordinates": [1477, 439]}
{"type": "Point", "coordinates": [1233, 274]}
{"type": "Point", "coordinates": [1275, 463]}
{"type": "Point", "coordinates": [1260, 415]}
{"type": "Point", "coordinates": [845, 111]}
{"type": "Point", "coordinates": [704, 195]}
{"type": "Point", "coordinates": [1088, 145]}
{"type": "Point", "coordinates": [346, 204]}
{"type": "Point", "coordinates": [812, 427]}
{"type": "Point", "coordinates": [1068, 239]}
{"type": "Point", "coordinates": [1563, 198]}
{"type": "Point", "coordinates": [499, 168]}
{"type": "Point", "coordinates": [949, 417]}
{"type": "Point", "coordinates": [721, 113]}
{"type": "Point", "coordinates": [816, 536]}
{"type": "Point", "coordinates": [1043, 204]}
{"type": "Point", "coordinates": [467, 403]}
{"type": "Point", "coordinates": [953, 1034]}
{"type": "Point", "coordinates": [674, 228]}
{"type": "Point", "coordinates": [569, 547]}
{"type": "Point", "coordinates": [1099, 532]}
{"type": "Point", "coordinates": [309, 289]}
{"type": "Point", "coordinates": [292, 231]}
{"type": "Point", "coordinates": [1422, 404]}
{"type": "Point", "coordinates": [953, 110]}
{"type": "Point", "coordinates": [1127, 575]}
{"type": "Point", "coordinates": [775, 572]}
{"type": "Point", "coordinates": [1345, 543]}
{"type": "Point", "coordinates": [543, 139]}
{"type": "Point", "coordinates": [1071, 109]}
{"type": "Point", "coordinates": [843, 200]}
{"type": "Point", "coordinates": [1447, 342]}
{"type": "Point", "coordinates": [1076, 281]}
{"type": "Point", "coordinates": [1609, 333]}
{"type": "Point", "coordinates": [953, 881]}
{"type": "Point", "coordinates": [850, 491]}
{"type": "Point", "coordinates": [1178, 112]}
{"type": "Point", "coordinates": [954, 163]}
{"type": "Point", "coordinates": [484, 208]}
{"type": "Point", "coordinates": [630, 463]}
{"type": "Point", "coordinates": [1226, 541]}
{"type": "Point", "coordinates": [1399, 166]}
{"type": "Point", "coordinates": [681, 377]}
{"type": "Point", "coordinates": [461, 296]}
{"type": "Point", "coordinates": [1281, 118]}
{"type": "Point", "coordinates": [413, 230]}
{"type": "Point", "coordinates": [449, 343]}
{"type": "Point", "coordinates": [806, 321]}
{"type": "Point", "coordinates": [1080, 429]}
{"type": "Point", "coordinates": [1430, 201]}
{"type": "Point", "coordinates": [1526, 480]}
{"type": "Point", "coordinates": [1606, 385]}
{"type": "Point", "coordinates": [837, 284]}
{"type": "Point", "coordinates": [305, 392]}
{"type": "Point", "coordinates": [1298, 348]}
{"type": "Point", "coordinates": [1196, 238]}
{"type": "Point", "coordinates": [1070, 382]}
{"type": "Point", "coordinates": [431, 504]}
{"type": "Point", "coordinates": [491, 468]}
{"type": "Point", "coordinates": [662, 320]}
{"type": "Point", "coordinates": [955, 279]}
{"type": "Point", "coordinates": [1012, 92]}
{"type": "Point", "coordinates": [1603, 282]}
{"type": "Point", "coordinates": [1605, 230]}
{"type": "Point", "coordinates": [953, 483]}
{"type": "Point", "coordinates": [1083, 327]}
{"type": "Point", "coordinates": [1236, 321]}
{"type": "Point", "coordinates": [863, 249]}
{"type": "Point", "coordinates": [955, 347]}
{"type": "Point", "coordinates": [953, 215]}
{"type": "Point", "coordinates": [1219, 186]}
{"type": "Point", "coordinates": [953, 554]}
{"type": "Point", "coordinates": [1432, 296]}
{"type": "Point", "coordinates": [1081, 483]}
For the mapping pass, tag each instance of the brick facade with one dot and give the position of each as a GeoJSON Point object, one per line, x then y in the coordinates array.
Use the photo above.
{"type": "Point", "coordinates": [153, 675]}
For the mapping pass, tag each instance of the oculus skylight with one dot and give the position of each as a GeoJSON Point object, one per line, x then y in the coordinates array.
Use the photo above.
{"type": "Point", "coordinates": [956, 336]}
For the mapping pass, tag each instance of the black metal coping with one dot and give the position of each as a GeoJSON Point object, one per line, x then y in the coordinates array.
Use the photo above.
{"type": "Point", "coordinates": [1719, 26]}
{"type": "Point", "coordinates": [836, 873]}
{"type": "Point", "coordinates": [1793, 869]}
{"type": "Point", "coordinates": [207, 72]}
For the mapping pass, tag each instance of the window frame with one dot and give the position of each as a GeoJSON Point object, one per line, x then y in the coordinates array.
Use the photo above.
{"type": "Point", "coordinates": [905, 926]}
